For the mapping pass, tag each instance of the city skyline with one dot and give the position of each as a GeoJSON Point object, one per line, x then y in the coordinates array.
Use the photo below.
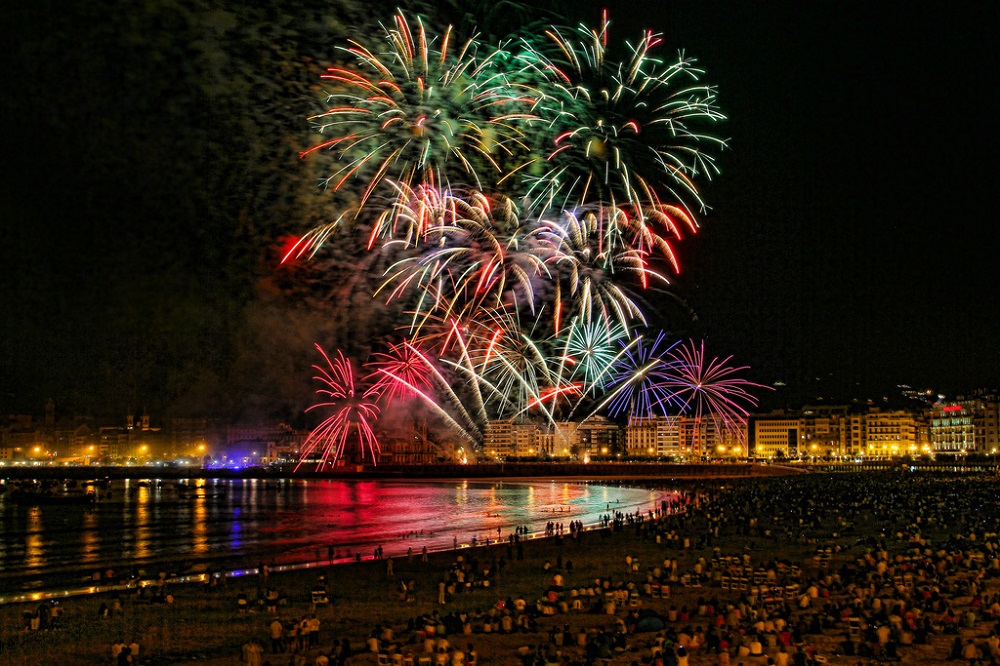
{"type": "Point", "coordinates": [847, 249]}
{"type": "Point", "coordinates": [947, 428]}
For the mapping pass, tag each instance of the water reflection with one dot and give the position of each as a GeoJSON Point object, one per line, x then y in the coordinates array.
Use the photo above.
{"type": "Point", "coordinates": [143, 530]}
{"type": "Point", "coordinates": [89, 540]}
{"type": "Point", "coordinates": [174, 524]}
{"type": "Point", "coordinates": [34, 549]}
{"type": "Point", "coordinates": [199, 529]}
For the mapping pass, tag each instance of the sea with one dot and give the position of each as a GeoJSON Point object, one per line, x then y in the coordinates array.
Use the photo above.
{"type": "Point", "coordinates": [147, 527]}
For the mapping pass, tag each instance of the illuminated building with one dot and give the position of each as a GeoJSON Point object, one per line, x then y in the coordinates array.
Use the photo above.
{"type": "Point", "coordinates": [680, 437]}
{"type": "Point", "coordinates": [890, 434]}
{"type": "Point", "coordinates": [655, 437]}
{"type": "Point", "coordinates": [183, 431]}
{"type": "Point", "coordinates": [775, 436]}
{"type": "Point", "coordinates": [594, 437]}
{"type": "Point", "coordinates": [408, 444]}
{"type": "Point", "coordinates": [263, 444]}
{"type": "Point", "coordinates": [952, 429]}
{"type": "Point", "coordinates": [826, 431]}
{"type": "Point", "coordinates": [598, 436]}
{"type": "Point", "coordinates": [986, 421]}
{"type": "Point", "coordinates": [498, 438]}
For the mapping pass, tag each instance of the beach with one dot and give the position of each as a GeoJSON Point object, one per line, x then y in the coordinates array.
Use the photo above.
{"type": "Point", "coordinates": [828, 559]}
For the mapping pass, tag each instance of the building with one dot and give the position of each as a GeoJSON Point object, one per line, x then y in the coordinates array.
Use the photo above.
{"type": "Point", "coordinates": [682, 437]}
{"type": "Point", "coordinates": [826, 431]}
{"type": "Point", "coordinates": [891, 434]}
{"type": "Point", "coordinates": [657, 437]}
{"type": "Point", "coordinates": [595, 437]}
{"type": "Point", "coordinates": [775, 435]}
{"type": "Point", "coordinates": [952, 428]}
{"type": "Point", "coordinates": [986, 421]}
{"type": "Point", "coordinates": [498, 438]}
{"type": "Point", "coordinates": [258, 445]}
{"type": "Point", "coordinates": [187, 432]}
{"type": "Point", "coordinates": [504, 439]}
{"type": "Point", "coordinates": [407, 444]}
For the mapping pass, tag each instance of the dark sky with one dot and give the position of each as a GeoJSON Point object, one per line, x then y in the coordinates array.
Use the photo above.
{"type": "Point", "coordinates": [150, 163]}
{"type": "Point", "coordinates": [852, 238]}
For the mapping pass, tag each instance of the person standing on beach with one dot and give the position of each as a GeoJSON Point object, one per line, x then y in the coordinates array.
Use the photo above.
{"type": "Point", "coordinates": [313, 630]}
{"type": "Point", "coordinates": [252, 652]}
{"type": "Point", "coordinates": [276, 631]}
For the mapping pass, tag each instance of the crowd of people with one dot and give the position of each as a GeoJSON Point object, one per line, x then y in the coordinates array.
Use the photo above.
{"type": "Point", "coordinates": [801, 571]}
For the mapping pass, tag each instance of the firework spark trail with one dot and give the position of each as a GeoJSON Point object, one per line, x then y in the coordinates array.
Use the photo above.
{"type": "Point", "coordinates": [398, 373]}
{"type": "Point", "coordinates": [592, 274]}
{"type": "Point", "coordinates": [351, 412]}
{"type": "Point", "coordinates": [593, 349]}
{"type": "Point", "coordinates": [416, 113]}
{"type": "Point", "coordinates": [477, 256]}
{"type": "Point", "coordinates": [639, 380]}
{"type": "Point", "coordinates": [710, 388]}
{"type": "Point", "coordinates": [433, 404]}
{"type": "Point", "coordinates": [454, 400]}
{"type": "Point", "coordinates": [626, 135]}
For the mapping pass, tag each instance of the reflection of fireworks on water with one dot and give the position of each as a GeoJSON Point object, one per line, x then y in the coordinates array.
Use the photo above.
{"type": "Point", "coordinates": [352, 413]}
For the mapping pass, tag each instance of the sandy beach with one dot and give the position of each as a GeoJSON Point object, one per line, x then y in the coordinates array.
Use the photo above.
{"type": "Point", "coordinates": [835, 558]}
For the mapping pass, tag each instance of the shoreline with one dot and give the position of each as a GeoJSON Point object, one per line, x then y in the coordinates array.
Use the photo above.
{"type": "Point", "coordinates": [71, 581]}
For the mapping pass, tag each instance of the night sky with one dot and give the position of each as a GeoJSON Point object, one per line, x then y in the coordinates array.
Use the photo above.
{"type": "Point", "coordinates": [151, 176]}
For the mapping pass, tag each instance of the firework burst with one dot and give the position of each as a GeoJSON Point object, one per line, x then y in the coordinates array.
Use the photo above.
{"type": "Point", "coordinates": [710, 389]}
{"type": "Point", "coordinates": [419, 110]}
{"type": "Point", "coordinates": [638, 384]}
{"type": "Point", "coordinates": [399, 373]}
{"type": "Point", "coordinates": [353, 412]}
{"type": "Point", "coordinates": [509, 191]}
{"type": "Point", "coordinates": [407, 372]}
{"type": "Point", "coordinates": [589, 274]}
{"type": "Point", "coordinates": [591, 350]}
{"type": "Point", "coordinates": [627, 134]}
{"type": "Point", "coordinates": [480, 259]}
